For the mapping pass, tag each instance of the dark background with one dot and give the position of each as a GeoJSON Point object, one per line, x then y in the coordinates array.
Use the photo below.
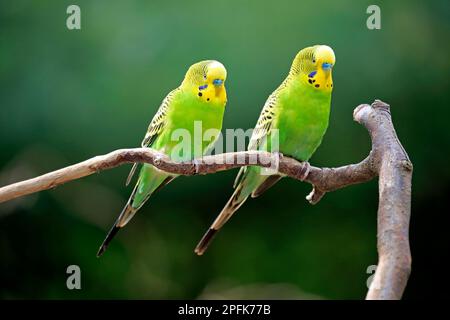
{"type": "Point", "coordinates": [67, 95]}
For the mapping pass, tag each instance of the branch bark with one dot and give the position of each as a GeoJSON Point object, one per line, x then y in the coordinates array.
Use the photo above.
{"type": "Point", "coordinates": [387, 159]}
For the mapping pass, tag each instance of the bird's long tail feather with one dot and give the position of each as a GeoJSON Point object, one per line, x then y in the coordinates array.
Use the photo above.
{"type": "Point", "coordinates": [235, 202]}
{"type": "Point", "coordinates": [130, 210]}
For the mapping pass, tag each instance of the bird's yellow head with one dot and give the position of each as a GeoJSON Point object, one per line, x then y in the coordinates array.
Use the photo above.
{"type": "Point", "coordinates": [206, 79]}
{"type": "Point", "coordinates": [314, 66]}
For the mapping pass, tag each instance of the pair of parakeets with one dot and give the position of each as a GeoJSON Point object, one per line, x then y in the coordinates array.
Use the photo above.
{"type": "Point", "coordinates": [299, 109]}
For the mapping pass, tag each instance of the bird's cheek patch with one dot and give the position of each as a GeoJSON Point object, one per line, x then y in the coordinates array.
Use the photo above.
{"type": "Point", "coordinates": [204, 95]}
{"type": "Point", "coordinates": [311, 79]}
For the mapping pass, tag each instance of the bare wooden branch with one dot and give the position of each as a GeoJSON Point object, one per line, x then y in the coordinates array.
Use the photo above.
{"type": "Point", "coordinates": [387, 159]}
{"type": "Point", "coordinates": [324, 179]}
{"type": "Point", "coordinates": [390, 160]}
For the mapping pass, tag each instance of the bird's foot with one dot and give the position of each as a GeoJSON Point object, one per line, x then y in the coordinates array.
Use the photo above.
{"type": "Point", "coordinates": [158, 158]}
{"type": "Point", "coordinates": [303, 173]}
{"type": "Point", "coordinates": [278, 156]}
{"type": "Point", "coordinates": [272, 165]}
{"type": "Point", "coordinates": [196, 164]}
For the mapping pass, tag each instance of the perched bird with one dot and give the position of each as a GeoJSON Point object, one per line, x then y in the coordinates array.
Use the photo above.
{"type": "Point", "coordinates": [299, 109]}
{"type": "Point", "coordinates": [199, 101]}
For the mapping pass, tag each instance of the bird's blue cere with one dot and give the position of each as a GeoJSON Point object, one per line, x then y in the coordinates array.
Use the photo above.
{"type": "Point", "coordinates": [217, 82]}
{"type": "Point", "coordinates": [326, 66]}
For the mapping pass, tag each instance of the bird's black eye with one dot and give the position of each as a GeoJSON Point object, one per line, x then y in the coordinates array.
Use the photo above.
{"type": "Point", "coordinates": [314, 60]}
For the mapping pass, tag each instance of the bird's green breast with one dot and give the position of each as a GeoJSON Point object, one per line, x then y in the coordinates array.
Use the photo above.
{"type": "Point", "coordinates": [190, 127]}
{"type": "Point", "coordinates": [302, 119]}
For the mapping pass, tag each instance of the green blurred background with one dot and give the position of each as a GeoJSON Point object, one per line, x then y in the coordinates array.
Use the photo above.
{"type": "Point", "coordinates": [69, 95]}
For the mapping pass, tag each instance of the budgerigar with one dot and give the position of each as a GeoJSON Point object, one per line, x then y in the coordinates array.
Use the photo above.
{"type": "Point", "coordinates": [199, 101]}
{"type": "Point", "coordinates": [299, 108]}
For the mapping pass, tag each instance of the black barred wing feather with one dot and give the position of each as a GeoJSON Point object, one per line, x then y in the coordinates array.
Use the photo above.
{"type": "Point", "coordinates": [264, 124]}
{"type": "Point", "coordinates": [158, 121]}
{"type": "Point", "coordinates": [261, 130]}
{"type": "Point", "coordinates": [155, 128]}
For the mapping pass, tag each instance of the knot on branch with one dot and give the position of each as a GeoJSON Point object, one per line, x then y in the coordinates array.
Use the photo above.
{"type": "Point", "coordinates": [407, 164]}
{"type": "Point", "coordinates": [315, 195]}
{"type": "Point", "coordinates": [378, 104]}
{"type": "Point", "coordinates": [364, 112]}
{"type": "Point", "coordinates": [158, 159]}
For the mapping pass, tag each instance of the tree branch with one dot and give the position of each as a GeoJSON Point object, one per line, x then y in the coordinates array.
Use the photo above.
{"type": "Point", "coordinates": [387, 159]}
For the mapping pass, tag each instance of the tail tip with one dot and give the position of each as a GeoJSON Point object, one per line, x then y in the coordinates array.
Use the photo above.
{"type": "Point", "coordinates": [200, 250]}
{"type": "Point", "coordinates": [107, 240]}
{"type": "Point", "coordinates": [101, 250]}
{"type": "Point", "coordinates": [204, 242]}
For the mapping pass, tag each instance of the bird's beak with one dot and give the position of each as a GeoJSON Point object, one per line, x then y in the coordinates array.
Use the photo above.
{"type": "Point", "coordinates": [217, 82]}
{"type": "Point", "coordinates": [327, 66]}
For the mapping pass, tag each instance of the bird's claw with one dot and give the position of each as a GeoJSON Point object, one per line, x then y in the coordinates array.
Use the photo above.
{"type": "Point", "coordinates": [196, 164]}
{"type": "Point", "coordinates": [158, 159]}
{"type": "Point", "coordinates": [279, 155]}
{"type": "Point", "coordinates": [304, 170]}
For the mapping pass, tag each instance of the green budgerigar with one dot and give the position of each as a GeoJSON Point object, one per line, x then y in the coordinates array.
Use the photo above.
{"type": "Point", "coordinates": [199, 102]}
{"type": "Point", "coordinates": [297, 114]}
